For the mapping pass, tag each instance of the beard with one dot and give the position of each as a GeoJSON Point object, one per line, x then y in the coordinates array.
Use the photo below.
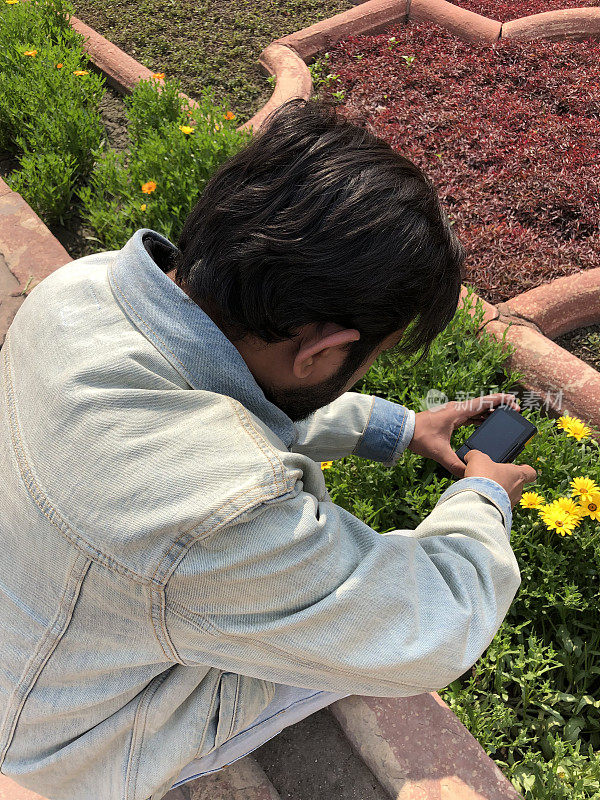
{"type": "Point", "coordinates": [300, 402]}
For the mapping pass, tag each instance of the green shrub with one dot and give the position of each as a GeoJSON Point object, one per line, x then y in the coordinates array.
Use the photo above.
{"type": "Point", "coordinates": [178, 163]}
{"type": "Point", "coordinates": [531, 700]}
{"type": "Point", "coordinates": [47, 113]}
{"type": "Point", "coordinates": [52, 176]}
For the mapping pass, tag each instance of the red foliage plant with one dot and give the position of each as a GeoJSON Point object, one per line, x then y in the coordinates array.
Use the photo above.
{"type": "Point", "coordinates": [509, 133]}
{"type": "Point", "coordinates": [505, 10]}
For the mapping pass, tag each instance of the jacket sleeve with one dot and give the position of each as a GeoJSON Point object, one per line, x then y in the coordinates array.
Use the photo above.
{"type": "Point", "coordinates": [304, 593]}
{"type": "Point", "coordinates": [356, 424]}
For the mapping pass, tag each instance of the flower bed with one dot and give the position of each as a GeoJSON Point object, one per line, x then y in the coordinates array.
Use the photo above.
{"type": "Point", "coordinates": [65, 166]}
{"type": "Point", "coordinates": [506, 10]}
{"type": "Point", "coordinates": [531, 700]}
{"type": "Point", "coordinates": [510, 134]}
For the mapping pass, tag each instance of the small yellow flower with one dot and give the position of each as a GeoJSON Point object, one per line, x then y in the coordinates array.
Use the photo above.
{"type": "Point", "coordinates": [326, 464]}
{"type": "Point", "coordinates": [217, 126]}
{"type": "Point", "coordinates": [573, 426]}
{"type": "Point", "coordinates": [578, 430]}
{"type": "Point", "coordinates": [532, 500]}
{"type": "Point", "coordinates": [584, 487]}
{"type": "Point", "coordinates": [229, 115]}
{"type": "Point", "coordinates": [591, 507]}
{"type": "Point", "coordinates": [559, 520]}
{"type": "Point", "coordinates": [148, 187]}
{"type": "Point", "coordinates": [31, 53]}
{"type": "Point", "coordinates": [143, 207]}
{"type": "Point", "coordinates": [570, 506]}
{"type": "Point", "coordinates": [186, 129]}
{"type": "Point", "coordinates": [160, 76]}
{"type": "Point", "coordinates": [11, 2]}
{"type": "Point", "coordinates": [81, 72]}
{"type": "Point", "coordinates": [59, 66]}
{"type": "Point", "coordinates": [565, 421]}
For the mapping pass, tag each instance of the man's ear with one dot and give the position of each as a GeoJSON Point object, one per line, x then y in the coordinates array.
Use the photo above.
{"type": "Point", "coordinates": [311, 354]}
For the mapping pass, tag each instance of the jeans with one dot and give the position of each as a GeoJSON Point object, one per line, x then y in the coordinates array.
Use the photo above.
{"type": "Point", "coordinates": [290, 705]}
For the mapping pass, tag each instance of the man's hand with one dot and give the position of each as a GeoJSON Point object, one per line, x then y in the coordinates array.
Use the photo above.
{"type": "Point", "coordinates": [433, 428]}
{"type": "Point", "coordinates": [510, 476]}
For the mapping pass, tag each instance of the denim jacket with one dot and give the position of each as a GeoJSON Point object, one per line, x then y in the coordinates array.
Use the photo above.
{"type": "Point", "coordinates": [169, 550]}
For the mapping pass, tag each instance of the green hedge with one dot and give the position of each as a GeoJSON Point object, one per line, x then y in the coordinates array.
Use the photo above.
{"type": "Point", "coordinates": [49, 116]}
{"type": "Point", "coordinates": [532, 699]}
{"type": "Point", "coordinates": [175, 149]}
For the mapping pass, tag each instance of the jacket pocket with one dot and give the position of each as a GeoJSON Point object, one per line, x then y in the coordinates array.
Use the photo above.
{"type": "Point", "coordinates": [242, 700]}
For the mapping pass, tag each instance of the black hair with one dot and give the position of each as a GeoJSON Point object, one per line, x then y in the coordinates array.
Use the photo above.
{"type": "Point", "coordinates": [317, 220]}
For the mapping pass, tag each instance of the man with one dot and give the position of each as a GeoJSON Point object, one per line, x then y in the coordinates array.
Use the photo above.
{"type": "Point", "coordinates": [176, 584]}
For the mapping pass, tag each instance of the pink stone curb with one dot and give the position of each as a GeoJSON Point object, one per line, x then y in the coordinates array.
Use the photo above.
{"type": "Point", "coordinates": [28, 253]}
{"type": "Point", "coordinates": [122, 71]}
{"type": "Point", "coordinates": [419, 750]}
{"type": "Point", "coordinates": [549, 368]}
{"type": "Point", "coordinates": [466, 24]}
{"type": "Point", "coordinates": [370, 17]}
{"type": "Point", "coordinates": [560, 306]}
{"type": "Point", "coordinates": [570, 23]}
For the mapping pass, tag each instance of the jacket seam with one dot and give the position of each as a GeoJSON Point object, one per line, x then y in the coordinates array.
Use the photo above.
{"type": "Point", "coordinates": [216, 632]}
{"type": "Point", "coordinates": [235, 706]}
{"type": "Point", "coordinates": [192, 538]}
{"type": "Point", "coordinates": [401, 428]}
{"type": "Point", "coordinates": [34, 489]}
{"type": "Point", "coordinates": [157, 615]}
{"type": "Point", "coordinates": [209, 717]}
{"type": "Point", "coordinates": [50, 639]}
{"type": "Point", "coordinates": [137, 734]}
{"type": "Point", "coordinates": [364, 431]}
{"type": "Point", "coordinates": [260, 440]}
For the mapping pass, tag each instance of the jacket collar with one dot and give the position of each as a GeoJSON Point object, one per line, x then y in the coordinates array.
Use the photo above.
{"type": "Point", "coordinates": [184, 334]}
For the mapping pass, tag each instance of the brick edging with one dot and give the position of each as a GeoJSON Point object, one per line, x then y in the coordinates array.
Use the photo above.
{"type": "Point", "coordinates": [399, 739]}
{"type": "Point", "coordinates": [27, 250]}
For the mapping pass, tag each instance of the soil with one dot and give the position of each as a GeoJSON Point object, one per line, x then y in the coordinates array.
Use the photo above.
{"type": "Point", "coordinates": [584, 343]}
{"type": "Point", "coordinates": [206, 44]}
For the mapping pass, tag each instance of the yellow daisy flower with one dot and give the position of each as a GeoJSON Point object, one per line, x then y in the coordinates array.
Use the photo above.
{"type": "Point", "coordinates": [326, 464]}
{"type": "Point", "coordinates": [148, 187]}
{"type": "Point", "coordinates": [531, 500]}
{"type": "Point", "coordinates": [31, 53]}
{"type": "Point", "coordinates": [578, 430]}
{"type": "Point", "coordinates": [59, 66]}
{"type": "Point", "coordinates": [229, 115]}
{"type": "Point", "coordinates": [11, 2]}
{"type": "Point", "coordinates": [565, 421]}
{"type": "Point", "coordinates": [81, 72]}
{"type": "Point", "coordinates": [160, 76]}
{"type": "Point", "coordinates": [186, 129]}
{"type": "Point", "coordinates": [591, 507]}
{"type": "Point", "coordinates": [143, 207]}
{"type": "Point", "coordinates": [584, 487]}
{"type": "Point", "coordinates": [559, 520]}
{"type": "Point", "coordinates": [570, 506]}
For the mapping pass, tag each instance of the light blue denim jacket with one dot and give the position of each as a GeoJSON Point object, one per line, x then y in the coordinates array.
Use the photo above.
{"type": "Point", "coordinates": [169, 551]}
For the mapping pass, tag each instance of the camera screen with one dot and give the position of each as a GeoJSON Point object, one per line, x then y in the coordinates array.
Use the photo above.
{"type": "Point", "coordinates": [497, 435]}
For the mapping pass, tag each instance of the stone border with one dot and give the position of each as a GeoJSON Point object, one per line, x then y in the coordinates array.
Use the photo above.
{"type": "Point", "coordinates": [28, 253]}
{"type": "Point", "coordinates": [398, 738]}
